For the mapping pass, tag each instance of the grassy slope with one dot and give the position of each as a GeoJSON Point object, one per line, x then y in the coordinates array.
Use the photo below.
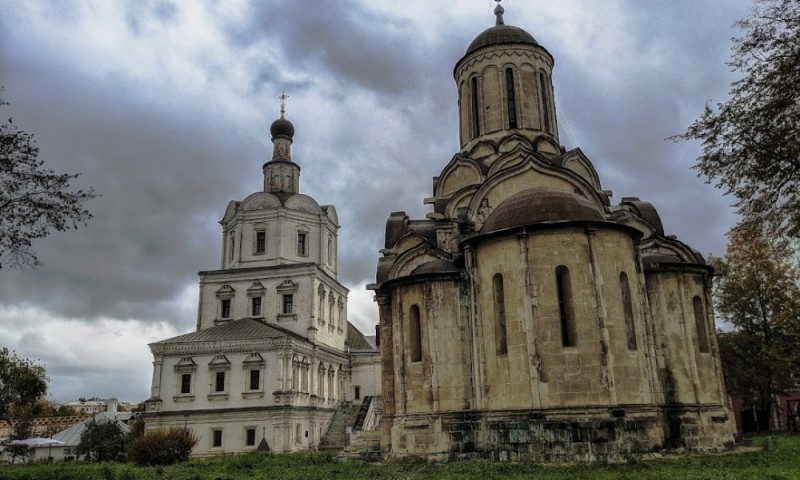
{"type": "Point", "coordinates": [779, 460]}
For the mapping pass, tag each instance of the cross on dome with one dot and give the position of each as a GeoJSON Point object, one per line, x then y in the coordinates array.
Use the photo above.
{"type": "Point", "coordinates": [282, 97]}
{"type": "Point", "coordinates": [499, 11]}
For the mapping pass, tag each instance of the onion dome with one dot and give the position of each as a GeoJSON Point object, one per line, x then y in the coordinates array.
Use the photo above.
{"type": "Point", "coordinates": [283, 127]}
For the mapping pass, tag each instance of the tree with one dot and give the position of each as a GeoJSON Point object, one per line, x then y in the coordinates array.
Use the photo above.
{"type": "Point", "coordinates": [162, 447]}
{"type": "Point", "coordinates": [751, 142]}
{"type": "Point", "coordinates": [22, 383]}
{"type": "Point", "coordinates": [22, 429]}
{"type": "Point", "coordinates": [136, 431]}
{"type": "Point", "coordinates": [34, 201]}
{"type": "Point", "coordinates": [757, 292]}
{"type": "Point", "coordinates": [102, 441]}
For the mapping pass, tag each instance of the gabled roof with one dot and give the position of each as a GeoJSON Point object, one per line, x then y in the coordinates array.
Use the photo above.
{"type": "Point", "coordinates": [244, 329]}
{"type": "Point", "coordinates": [72, 435]}
{"type": "Point", "coordinates": [356, 340]}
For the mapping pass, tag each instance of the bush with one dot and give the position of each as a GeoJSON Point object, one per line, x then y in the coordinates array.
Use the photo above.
{"type": "Point", "coordinates": [162, 447]}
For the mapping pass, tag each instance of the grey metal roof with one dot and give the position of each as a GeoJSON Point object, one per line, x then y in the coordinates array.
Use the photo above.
{"type": "Point", "coordinates": [244, 329]}
{"type": "Point", "coordinates": [356, 340]}
{"type": "Point", "coordinates": [72, 435]}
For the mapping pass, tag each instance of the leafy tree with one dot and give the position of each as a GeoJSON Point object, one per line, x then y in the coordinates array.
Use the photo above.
{"type": "Point", "coordinates": [65, 411]}
{"type": "Point", "coordinates": [102, 441]}
{"type": "Point", "coordinates": [136, 431]}
{"type": "Point", "coordinates": [22, 429]}
{"type": "Point", "coordinates": [22, 383]}
{"type": "Point", "coordinates": [34, 201]}
{"type": "Point", "coordinates": [162, 447]}
{"type": "Point", "coordinates": [757, 292]}
{"type": "Point", "coordinates": [751, 142]}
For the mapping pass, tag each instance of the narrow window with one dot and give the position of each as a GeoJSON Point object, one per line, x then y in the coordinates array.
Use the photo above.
{"type": "Point", "coordinates": [330, 250]}
{"type": "Point", "coordinates": [301, 244]}
{"type": "Point", "coordinates": [321, 313]}
{"type": "Point", "coordinates": [255, 379]}
{"type": "Point", "coordinates": [216, 438]}
{"type": "Point", "coordinates": [219, 382]}
{"type": "Point", "coordinates": [565, 310]}
{"type": "Point", "coordinates": [304, 371]}
{"type": "Point", "coordinates": [261, 242]}
{"type": "Point", "coordinates": [256, 306]}
{"type": "Point", "coordinates": [357, 392]}
{"type": "Point", "coordinates": [250, 437]}
{"type": "Point", "coordinates": [627, 307]}
{"type": "Point", "coordinates": [415, 331]}
{"type": "Point", "coordinates": [232, 245]}
{"type": "Point", "coordinates": [288, 304]}
{"type": "Point", "coordinates": [512, 99]}
{"type": "Point", "coordinates": [700, 323]}
{"type": "Point", "coordinates": [545, 105]}
{"type": "Point", "coordinates": [186, 383]}
{"type": "Point", "coordinates": [476, 126]}
{"type": "Point", "coordinates": [226, 308]}
{"type": "Point", "coordinates": [501, 341]}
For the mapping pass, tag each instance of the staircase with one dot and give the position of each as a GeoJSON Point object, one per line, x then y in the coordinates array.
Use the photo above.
{"type": "Point", "coordinates": [366, 446]}
{"type": "Point", "coordinates": [358, 425]}
{"type": "Point", "coordinates": [336, 438]}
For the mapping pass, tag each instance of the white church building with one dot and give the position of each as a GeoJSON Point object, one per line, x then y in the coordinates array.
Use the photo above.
{"type": "Point", "coordinates": [273, 355]}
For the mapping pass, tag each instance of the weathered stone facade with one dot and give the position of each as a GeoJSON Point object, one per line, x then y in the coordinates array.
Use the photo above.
{"type": "Point", "coordinates": [527, 316]}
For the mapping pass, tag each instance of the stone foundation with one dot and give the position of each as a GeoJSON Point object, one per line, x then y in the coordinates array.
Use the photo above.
{"type": "Point", "coordinates": [556, 436]}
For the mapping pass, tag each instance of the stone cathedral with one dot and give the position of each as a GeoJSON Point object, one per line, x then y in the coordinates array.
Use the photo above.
{"type": "Point", "coordinates": [273, 355]}
{"type": "Point", "coordinates": [528, 316]}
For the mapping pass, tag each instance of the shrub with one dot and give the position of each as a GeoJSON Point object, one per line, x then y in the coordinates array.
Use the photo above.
{"type": "Point", "coordinates": [162, 447]}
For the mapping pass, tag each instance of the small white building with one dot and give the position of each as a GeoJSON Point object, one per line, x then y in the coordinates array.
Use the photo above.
{"type": "Point", "coordinates": [271, 355]}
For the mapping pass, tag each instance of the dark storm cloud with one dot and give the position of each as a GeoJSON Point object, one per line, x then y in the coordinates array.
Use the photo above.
{"type": "Point", "coordinates": [375, 108]}
{"type": "Point", "coordinates": [342, 39]}
{"type": "Point", "coordinates": [678, 63]}
{"type": "Point", "coordinates": [160, 195]}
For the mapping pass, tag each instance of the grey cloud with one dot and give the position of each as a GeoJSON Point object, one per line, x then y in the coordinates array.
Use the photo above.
{"type": "Point", "coordinates": [139, 12]}
{"type": "Point", "coordinates": [166, 169]}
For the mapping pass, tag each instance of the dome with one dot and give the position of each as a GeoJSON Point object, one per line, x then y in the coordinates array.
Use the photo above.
{"type": "Point", "coordinates": [281, 126]}
{"type": "Point", "coordinates": [501, 35]}
{"type": "Point", "coordinates": [535, 206]}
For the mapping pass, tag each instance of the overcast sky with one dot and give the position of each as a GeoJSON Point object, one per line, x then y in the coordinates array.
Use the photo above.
{"type": "Point", "coordinates": [164, 107]}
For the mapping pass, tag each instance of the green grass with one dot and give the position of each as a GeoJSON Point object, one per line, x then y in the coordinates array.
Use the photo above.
{"type": "Point", "coordinates": [778, 459]}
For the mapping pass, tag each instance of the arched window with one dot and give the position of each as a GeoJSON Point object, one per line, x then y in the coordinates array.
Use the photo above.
{"type": "Point", "coordinates": [415, 331]}
{"type": "Point", "coordinates": [476, 124]}
{"type": "Point", "coordinates": [700, 323]}
{"type": "Point", "coordinates": [566, 312]}
{"type": "Point", "coordinates": [501, 341]}
{"type": "Point", "coordinates": [545, 104]}
{"type": "Point", "coordinates": [627, 308]}
{"type": "Point", "coordinates": [512, 99]}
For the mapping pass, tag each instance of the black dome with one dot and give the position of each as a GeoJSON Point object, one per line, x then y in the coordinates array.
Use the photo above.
{"type": "Point", "coordinates": [501, 35]}
{"type": "Point", "coordinates": [281, 126]}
